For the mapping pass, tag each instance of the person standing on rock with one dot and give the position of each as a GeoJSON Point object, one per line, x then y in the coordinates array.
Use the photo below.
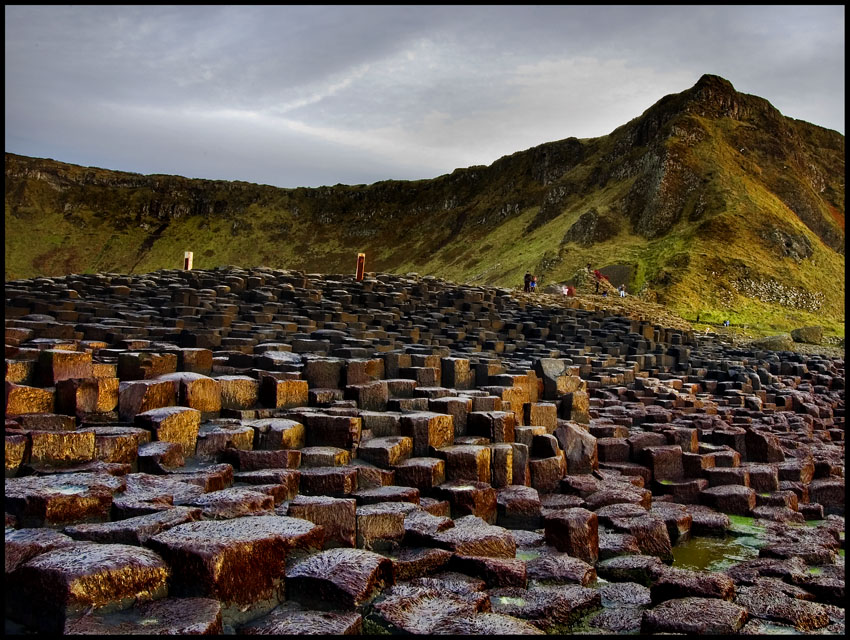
{"type": "Point", "coordinates": [533, 284]}
{"type": "Point", "coordinates": [527, 286]}
{"type": "Point", "coordinates": [622, 290]}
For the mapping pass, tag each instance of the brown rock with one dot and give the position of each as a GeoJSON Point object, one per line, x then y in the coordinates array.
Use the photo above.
{"type": "Point", "coordinates": [215, 438]}
{"type": "Point", "coordinates": [22, 399]}
{"type": "Point", "coordinates": [256, 460]}
{"type": "Point", "coordinates": [159, 458]}
{"type": "Point", "coordinates": [548, 607]}
{"type": "Point", "coordinates": [144, 395]}
{"type": "Point", "coordinates": [23, 544]}
{"type": "Point", "coordinates": [730, 498]}
{"type": "Point", "coordinates": [466, 462]}
{"type": "Point", "coordinates": [67, 581]}
{"type": "Point", "coordinates": [579, 447]}
{"type": "Point", "coordinates": [496, 572]}
{"type": "Point", "coordinates": [388, 493]}
{"type": "Point", "coordinates": [145, 365]}
{"type": "Point", "coordinates": [469, 498]}
{"type": "Point", "coordinates": [415, 562]}
{"type": "Point", "coordinates": [546, 473]}
{"type": "Point", "coordinates": [421, 473]}
{"type": "Point", "coordinates": [61, 447]}
{"type": "Point", "coordinates": [77, 396]}
{"type": "Point", "coordinates": [574, 531]}
{"type": "Point", "coordinates": [118, 444]}
{"type": "Point", "coordinates": [278, 433]}
{"type": "Point", "coordinates": [17, 452]}
{"type": "Point", "coordinates": [282, 394]}
{"type": "Point", "coordinates": [238, 392]}
{"type": "Point", "coordinates": [501, 465]}
{"type": "Point", "coordinates": [472, 536]}
{"type": "Point", "coordinates": [146, 493]}
{"type": "Point", "coordinates": [218, 559]}
{"type": "Point", "coordinates": [680, 583]}
{"type": "Point", "coordinates": [324, 457]}
{"type": "Point", "coordinates": [428, 431]}
{"type": "Point", "coordinates": [560, 568]}
{"type": "Point", "coordinates": [337, 516]}
{"type": "Point", "coordinates": [62, 498]}
{"type": "Point", "coordinates": [409, 609]}
{"type": "Point", "coordinates": [371, 396]}
{"type": "Point", "coordinates": [337, 482]}
{"type": "Point", "coordinates": [133, 531]}
{"type": "Point", "coordinates": [195, 391]}
{"type": "Point", "coordinates": [179, 425]}
{"type": "Point", "coordinates": [169, 616]}
{"type": "Point", "coordinates": [339, 578]}
{"type": "Point", "coordinates": [498, 426]}
{"type": "Point", "coordinates": [380, 526]}
{"type": "Point", "coordinates": [494, 624]}
{"type": "Point", "coordinates": [386, 452]}
{"type": "Point", "coordinates": [55, 365]}
{"type": "Point", "coordinates": [324, 430]}
{"type": "Point", "coordinates": [694, 616]}
{"type": "Point", "coordinates": [518, 507]}
{"type": "Point", "coordinates": [289, 622]}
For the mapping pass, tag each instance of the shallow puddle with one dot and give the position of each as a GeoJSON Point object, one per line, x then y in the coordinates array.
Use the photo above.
{"type": "Point", "coordinates": [715, 554]}
{"type": "Point", "coordinates": [772, 629]}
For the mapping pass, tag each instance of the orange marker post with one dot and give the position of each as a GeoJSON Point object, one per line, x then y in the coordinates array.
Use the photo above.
{"type": "Point", "coordinates": [361, 266]}
{"type": "Point", "coordinates": [187, 260]}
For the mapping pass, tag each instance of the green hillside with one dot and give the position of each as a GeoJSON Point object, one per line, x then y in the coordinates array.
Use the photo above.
{"type": "Point", "coordinates": [710, 202]}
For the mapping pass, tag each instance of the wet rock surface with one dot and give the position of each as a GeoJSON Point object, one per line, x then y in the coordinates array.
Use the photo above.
{"type": "Point", "coordinates": [262, 451]}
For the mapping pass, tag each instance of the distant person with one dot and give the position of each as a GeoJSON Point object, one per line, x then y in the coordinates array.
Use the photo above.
{"type": "Point", "coordinates": [725, 323]}
{"type": "Point", "coordinates": [533, 284]}
{"type": "Point", "coordinates": [605, 293]}
{"type": "Point", "coordinates": [527, 282]}
{"type": "Point", "coordinates": [598, 275]}
{"type": "Point", "coordinates": [622, 290]}
{"type": "Point", "coordinates": [571, 291]}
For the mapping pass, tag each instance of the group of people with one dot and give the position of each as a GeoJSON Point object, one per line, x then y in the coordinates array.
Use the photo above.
{"type": "Point", "coordinates": [599, 276]}
{"type": "Point", "coordinates": [530, 283]}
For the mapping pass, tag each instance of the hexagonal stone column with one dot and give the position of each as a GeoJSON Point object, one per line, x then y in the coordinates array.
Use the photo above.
{"type": "Point", "coordinates": [574, 531]}
{"type": "Point", "coordinates": [386, 452]}
{"type": "Point", "coordinates": [339, 578]}
{"type": "Point", "coordinates": [179, 425]}
{"type": "Point", "coordinates": [428, 431]}
{"type": "Point", "coordinates": [337, 516]}
{"type": "Point", "coordinates": [65, 582]}
{"type": "Point", "coordinates": [219, 559]}
{"type": "Point", "coordinates": [139, 396]}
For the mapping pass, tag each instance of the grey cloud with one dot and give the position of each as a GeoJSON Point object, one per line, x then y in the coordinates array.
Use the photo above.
{"type": "Point", "coordinates": [343, 89]}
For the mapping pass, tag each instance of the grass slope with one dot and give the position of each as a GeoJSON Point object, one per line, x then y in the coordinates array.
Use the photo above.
{"type": "Point", "coordinates": [715, 205]}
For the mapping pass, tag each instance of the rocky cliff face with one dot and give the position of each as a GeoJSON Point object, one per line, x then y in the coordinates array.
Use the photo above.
{"type": "Point", "coordinates": [706, 166]}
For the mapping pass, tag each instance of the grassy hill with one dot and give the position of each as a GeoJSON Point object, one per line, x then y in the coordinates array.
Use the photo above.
{"type": "Point", "coordinates": [710, 202]}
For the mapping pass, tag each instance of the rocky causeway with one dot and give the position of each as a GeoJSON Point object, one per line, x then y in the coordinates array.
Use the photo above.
{"type": "Point", "coordinates": [263, 451]}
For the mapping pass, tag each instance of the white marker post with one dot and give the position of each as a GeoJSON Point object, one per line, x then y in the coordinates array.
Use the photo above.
{"type": "Point", "coordinates": [187, 261]}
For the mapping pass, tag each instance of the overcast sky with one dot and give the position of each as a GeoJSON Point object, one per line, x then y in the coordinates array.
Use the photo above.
{"type": "Point", "coordinates": [319, 95]}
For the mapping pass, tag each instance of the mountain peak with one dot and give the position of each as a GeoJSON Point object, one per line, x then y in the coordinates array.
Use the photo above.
{"type": "Point", "coordinates": [716, 83]}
